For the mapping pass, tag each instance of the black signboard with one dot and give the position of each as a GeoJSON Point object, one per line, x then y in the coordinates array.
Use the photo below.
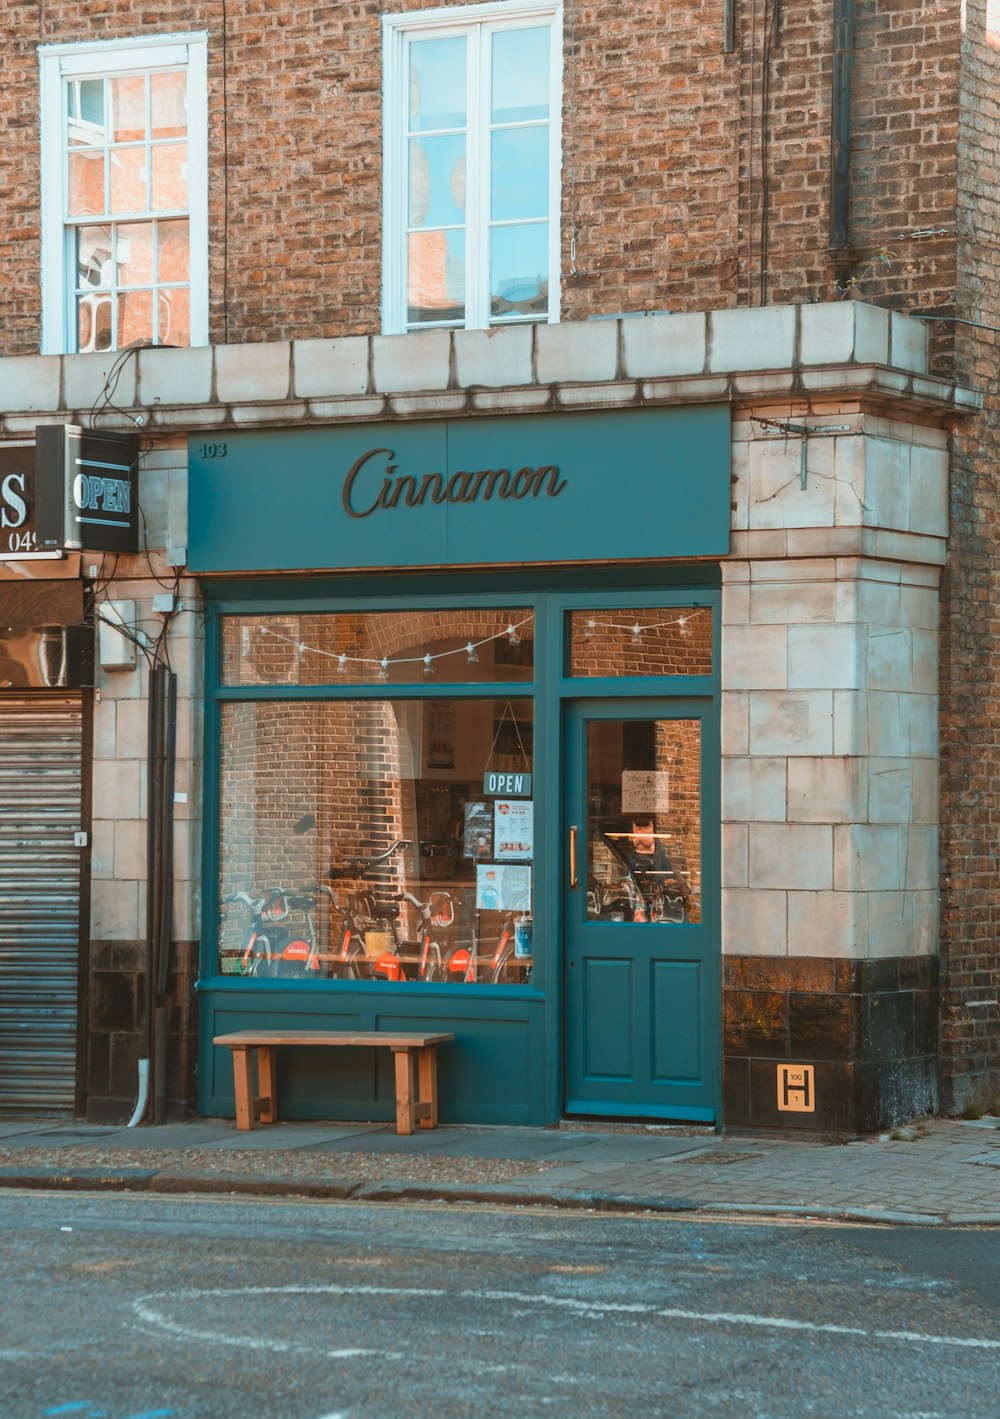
{"type": "Point", "coordinates": [18, 533]}
{"type": "Point", "coordinates": [86, 485]}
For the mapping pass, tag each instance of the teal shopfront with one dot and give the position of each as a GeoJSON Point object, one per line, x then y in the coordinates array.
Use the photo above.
{"type": "Point", "coordinates": [462, 756]}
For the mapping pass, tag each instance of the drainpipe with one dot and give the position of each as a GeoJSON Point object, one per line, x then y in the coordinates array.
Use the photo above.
{"type": "Point", "coordinates": [161, 754]}
{"type": "Point", "coordinates": [840, 130]}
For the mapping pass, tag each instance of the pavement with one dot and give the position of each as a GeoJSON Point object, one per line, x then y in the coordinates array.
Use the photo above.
{"type": "Point", "coordinates": [934, 1172]}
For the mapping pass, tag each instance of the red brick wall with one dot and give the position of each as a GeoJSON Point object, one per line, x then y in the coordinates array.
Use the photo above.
{"type": "Point", "coordinates": [970, 742]}
{"type": "Point", "coordinates": [692, 178]}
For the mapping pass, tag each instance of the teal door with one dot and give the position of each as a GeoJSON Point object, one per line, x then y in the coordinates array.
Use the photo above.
{"type": "Point", "coordinates": [641, 899]}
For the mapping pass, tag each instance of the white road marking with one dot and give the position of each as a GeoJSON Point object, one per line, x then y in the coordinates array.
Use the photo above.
{"type": "Point", "coordinates": [152, 1315]}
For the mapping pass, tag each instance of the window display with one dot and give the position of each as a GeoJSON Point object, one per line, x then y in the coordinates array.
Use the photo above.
{"type": "Point", "coordinates": [377, 839]}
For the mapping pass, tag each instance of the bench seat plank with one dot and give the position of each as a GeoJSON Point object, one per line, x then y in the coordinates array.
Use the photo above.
{"type": "Point", "coordinates": [415, 1069]}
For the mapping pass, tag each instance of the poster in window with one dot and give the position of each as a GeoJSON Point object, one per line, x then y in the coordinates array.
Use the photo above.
{"type": "Point", "coordinates": [502, 887]}
{"type": "Point", "coordinates": [477, 835]}
{"type": "Point", "coordinates": [513, 830]}
{"type": "Point", "coordinates": [441, 735]}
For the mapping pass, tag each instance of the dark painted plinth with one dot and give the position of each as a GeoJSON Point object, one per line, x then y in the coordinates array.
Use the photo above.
{"type": "Point", "coordinates": [868, 1028]}
{"type": "Point", "coordinates": [116, 1030]}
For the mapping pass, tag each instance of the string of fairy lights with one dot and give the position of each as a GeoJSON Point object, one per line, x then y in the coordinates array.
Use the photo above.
{"type": "Point", "coordinates": [383, 664]}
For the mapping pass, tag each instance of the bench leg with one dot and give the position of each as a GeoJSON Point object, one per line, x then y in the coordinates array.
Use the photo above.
{"type": "Point", "coordinates": [267, 1084]}
{"type": "Point", "coordinates": [405, 1090]}
{"type": "Point", "coordinates": [242, 1085]}
{"type": "Point", "coordinates": [427, 1065]}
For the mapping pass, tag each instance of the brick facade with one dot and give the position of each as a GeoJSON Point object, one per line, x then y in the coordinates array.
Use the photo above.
{"type": "Point", "coordinates": [693, 179]}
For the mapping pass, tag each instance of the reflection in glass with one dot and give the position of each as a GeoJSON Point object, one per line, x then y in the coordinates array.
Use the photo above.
{"type": "Point", "coordinates": [85, 110]}
{"type": "Point", "coordinates": [644, 821]}
{"type": "Point", "coordinates": [665, 640]}
{"type": "Point", "coordinates": [169, 177]}
{"type": "Point", "coordinates": [168, 104]}
{"type": "Point", "coordinates": [173, 258]}
{"type": "Point", "coordinates": [85, 173]}
{"type": "Point", "coordinates": [134, 254]}
{"type": "Point", "coordinates": [520, 75]}
{"type": "Point", "coordinates": [437, 181]}
{"type": "Point", "coordinates": [437, 84]}
{"type": "Point", "coordinates": [435, 277]}
{"type": "Point", "coordinates": [464, 646]}
{"type": "Point", "coordinates": [135, 316]}
{"type": "Point", "coordinates": [129, 174]}
{"type": "Point", "coordinates": [367, 845]}
{"type": "Point", "coordinates": [175, 317]}
{"type": "Point", "coordinates": [128, 108]}
{"type": "Point", "coordinates": [519, 258]}
{"type": "Point", "coordinates": [519, 174]}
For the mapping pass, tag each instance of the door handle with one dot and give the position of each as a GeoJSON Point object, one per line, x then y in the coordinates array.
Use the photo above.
{"type": "Point", "coordinates": [573, 882]}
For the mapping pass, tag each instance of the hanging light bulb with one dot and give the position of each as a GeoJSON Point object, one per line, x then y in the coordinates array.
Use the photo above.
{"type": "Point", "coordinates": [428, 666]}
{"type": "Point", "coordinates": [683, 626]}
{"type": "Point", "coordinates": [470, 651]}
{"type": "Point", "coordinates": [589, 628]}
{"type": "Point", "coordinates": [637, 634]}
{"type": "Point", "coordinates": [341, 664]}
{"type": "Point", "coordinates": [383, 669]}
{"type": "Point", "coordinates": [513, 635]}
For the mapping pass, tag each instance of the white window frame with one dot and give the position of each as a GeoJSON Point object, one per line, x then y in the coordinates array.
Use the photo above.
{"type": "Point", "coordinates": [459, 19]}
{"type": "Point", "coordinates": [59, 63]}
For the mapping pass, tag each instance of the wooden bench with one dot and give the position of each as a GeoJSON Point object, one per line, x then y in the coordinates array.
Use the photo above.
{"type": "Point", "coordinates": [416, 1070]}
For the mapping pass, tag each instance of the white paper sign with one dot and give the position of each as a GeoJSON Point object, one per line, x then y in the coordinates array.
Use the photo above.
{"type": "Point", "coordinates": [645, 791]}
{"type": "Point", "coordinates": [513, 830]}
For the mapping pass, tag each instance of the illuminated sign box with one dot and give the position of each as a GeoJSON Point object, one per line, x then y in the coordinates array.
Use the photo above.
{"type": "Point", "coordinates": [86, 489]}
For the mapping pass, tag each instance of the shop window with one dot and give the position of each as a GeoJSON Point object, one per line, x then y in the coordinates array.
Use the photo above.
{"type": "Point", "coordinates": [374, 838]}
{"type": "Point", "coordinates": [644, 820]}
{"type": "Point", "coordinates": [377, 840]}
{"type": "Point", "coordinates": [472, 107]}
{"type": "Point", "coordinates": [124, 194]}
{"type": "Point", "coordinates": [621, 643]}
{"type": "Point", "coordinates": [397, 647]}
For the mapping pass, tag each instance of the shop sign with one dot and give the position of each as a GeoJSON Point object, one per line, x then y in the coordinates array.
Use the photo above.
{"type": "Point", "coordinates": [18, 525]}
{"type": "Point", "coordinates": [511, 785]}
{"type": "Point", "coordinates": [645, 484]}
{"type": "Point", "coordinates": [86, 483]}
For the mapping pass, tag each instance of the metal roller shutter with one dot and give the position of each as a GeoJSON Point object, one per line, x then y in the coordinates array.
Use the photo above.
{"type": "Point", "coordinates": [40, 808]}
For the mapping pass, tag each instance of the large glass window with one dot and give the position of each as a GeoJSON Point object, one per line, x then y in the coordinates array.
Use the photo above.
{"type": "Point", "coordinates": [671, 640]}
{"type": "Point", "coordinates": [124, 194]}
{"type": "Point", "coordinates": [380, 839]}
{"type": "Point", "coordinates": [472, 145]}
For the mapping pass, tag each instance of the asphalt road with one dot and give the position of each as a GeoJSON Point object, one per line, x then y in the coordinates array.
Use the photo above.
{"type": "Point", "coordinates": [125, 1307]}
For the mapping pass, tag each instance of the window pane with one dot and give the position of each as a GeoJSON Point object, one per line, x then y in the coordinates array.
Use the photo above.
{"type": "Point", "coordinates": [128, 180]}
{"type": "Point", "coordinates": [644, 821]}
{"type": "Point", "coordinates": [85, 110]}
{"type": "Point", "coordinates": [175, 317]}
{"type": "Point", "coordinates": [134, 254]}
{"type": "Point", "coordinates": [93, 256]}
{"type": "Point", "coordinates": [135, 318]}
{"type": "Point", "coordinates": [674, 640]}
{"type": "Point", "coordinates": [437, 181]}
{"type": "Point", "coordinates": [519, 174]}
{"type": "Point", "coordinates": [170, 193]}
{"type": "Point", "coordinates": [519, 259]}
{"type": "Point", "coordinates": [128, 109]}
{"type": "Point", "coordinates": [467, 646]}
{"type": "Point", "coordinates": [85, 196]}
{"type": "Point", "coordinates": [173, 249]}
{"type": "Point", "coordinates": [381, 850]}
{"type": "Point", "coordinates": [520, 75]}
{"type": "Point", "coordinates": [435, 276]}
{"type": "Point", "coordinates": [95, 323]}
{"type": "Point", "coordinates": [168, 98]}
{"type": "Point", "coordinates": [437, 83]}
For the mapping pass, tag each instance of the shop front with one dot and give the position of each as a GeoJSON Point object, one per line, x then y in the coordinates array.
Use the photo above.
{"type": "Point", "coordinates": [462, 756]}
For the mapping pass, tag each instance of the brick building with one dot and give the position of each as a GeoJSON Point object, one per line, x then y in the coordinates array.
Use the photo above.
{"type": "Point", "coordinates": [603, 399]}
